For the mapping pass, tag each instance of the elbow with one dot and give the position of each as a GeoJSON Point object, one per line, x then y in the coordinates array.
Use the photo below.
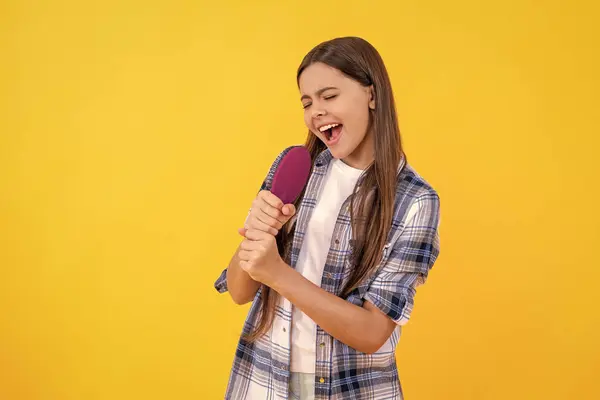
{"type": "Point", "coordinates": [371, 347]}
{"type": "Point", "coordinates": [241, 297]}
{"type": "Point", "coordinates": [369, 344]}
{"type": "Point", "coordinates": [374, 340]}
{"type": "Point", "coordinates": [240, 300]}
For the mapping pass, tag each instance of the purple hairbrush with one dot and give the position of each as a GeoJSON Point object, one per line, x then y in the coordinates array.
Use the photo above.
{"type": "Point", "coordinates": [291, 174]}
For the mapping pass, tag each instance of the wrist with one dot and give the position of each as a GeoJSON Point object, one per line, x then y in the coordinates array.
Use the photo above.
{"type": "Point", "coordinates": [282, 277]}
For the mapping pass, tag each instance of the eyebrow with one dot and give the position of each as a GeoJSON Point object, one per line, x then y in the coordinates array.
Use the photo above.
{"type": "Point", "coordinates": [318, 92]}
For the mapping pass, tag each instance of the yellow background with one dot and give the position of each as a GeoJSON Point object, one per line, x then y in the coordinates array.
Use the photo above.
{"type": "Point", "coordinates": [133, 136]}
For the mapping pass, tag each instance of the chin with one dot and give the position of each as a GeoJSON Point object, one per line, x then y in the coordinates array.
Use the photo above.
{"type": "Point", "coordinates": [338, 153]}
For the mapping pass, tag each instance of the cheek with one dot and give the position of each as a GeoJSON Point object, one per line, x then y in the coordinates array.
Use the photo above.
{"type": "Point", "coordinates": [352, 110]}
{"type": "Point", "coordinates": [307, 120]}
{"type": "Point", "coordinates": [365, 116]}
{"type": "Point", "coordinates": [359, 120]}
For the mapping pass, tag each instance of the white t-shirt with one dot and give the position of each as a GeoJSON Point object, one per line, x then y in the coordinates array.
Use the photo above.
{"type": "Point", "coordinates": [339, 184]}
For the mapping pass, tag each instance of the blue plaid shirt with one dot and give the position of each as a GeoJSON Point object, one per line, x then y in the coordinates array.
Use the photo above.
{"type": "Point", "coordinates": [261, 369]}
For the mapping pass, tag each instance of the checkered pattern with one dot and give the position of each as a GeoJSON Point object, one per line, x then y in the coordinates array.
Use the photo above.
{"type": "Point", "coordinates": [261, 369]}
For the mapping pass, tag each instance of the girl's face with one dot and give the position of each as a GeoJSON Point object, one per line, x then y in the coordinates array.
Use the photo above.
{"type": "Point", "coordinates": [336, 109]}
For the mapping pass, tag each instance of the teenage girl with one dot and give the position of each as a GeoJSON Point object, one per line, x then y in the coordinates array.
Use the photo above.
{"type": "Point", "coordinates": [332, 284]}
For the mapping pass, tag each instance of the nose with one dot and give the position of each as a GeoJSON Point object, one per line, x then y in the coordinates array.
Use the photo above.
{"type": "Point", "coordinates": [318, 113]}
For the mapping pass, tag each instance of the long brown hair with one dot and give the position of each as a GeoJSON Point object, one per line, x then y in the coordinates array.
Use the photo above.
{"type": "Point", "coordinates": [372, 203]}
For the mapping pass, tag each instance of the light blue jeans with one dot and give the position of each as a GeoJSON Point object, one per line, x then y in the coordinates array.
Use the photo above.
{"type": "Point", "coordinates": [302, 386]}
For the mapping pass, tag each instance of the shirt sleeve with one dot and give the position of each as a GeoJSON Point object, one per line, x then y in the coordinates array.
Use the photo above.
{"type": "Point", "coordinates": [410, 259]}
{"type": "Point", "coordinates": [221, 282]}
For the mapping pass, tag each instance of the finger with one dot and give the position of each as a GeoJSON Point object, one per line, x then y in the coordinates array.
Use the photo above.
{"type": "Point", "coordinates": [244, 255]}
{"type": "Point", "coordinates": [257, 235]}
{"type": "Point", "coordinates": [261, 207]}
{"type": "Point", "coordinates": [242, 231]}
{"type": "Point", "coordinates": [272, 222]}
{"type": "Point", "coordinates": [269, 210]}
{"type": "Point", "coordinates": [245, 265]}
{"type": "Point", "coordinates": [256, 223]}
{"type": "Point", "coordinates": [248, 245]}
{"type": "Point", "coordinates": [271, 199]}
{"type": "Point", "coordinates": [289, 210]}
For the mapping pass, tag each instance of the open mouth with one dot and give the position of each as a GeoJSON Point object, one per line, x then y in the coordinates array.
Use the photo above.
{"type": "Point", "coordinates": [331, 131]}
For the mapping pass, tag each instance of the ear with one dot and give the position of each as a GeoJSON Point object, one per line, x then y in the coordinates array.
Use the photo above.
{"type": "Point", "coordinates": [371, 92]}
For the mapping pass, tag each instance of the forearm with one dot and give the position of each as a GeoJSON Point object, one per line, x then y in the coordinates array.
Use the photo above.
{"type": "Point", "coordinates": [355, 326]}
{"type": "Point", "coordinates": [242, 288]}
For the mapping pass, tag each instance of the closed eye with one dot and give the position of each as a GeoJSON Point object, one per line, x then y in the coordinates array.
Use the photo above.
{"type": "Point", "coordinates": [331, 96]}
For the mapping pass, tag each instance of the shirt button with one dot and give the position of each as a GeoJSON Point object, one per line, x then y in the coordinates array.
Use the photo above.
{"type": "Point", "coordinates": [322, 380]}
{"type": "Point", "coordinates": [284, 330]}
{"type": "Point", "coordinates": [322, 345]}
{"type": "Point", "coordinates": [337, 241]}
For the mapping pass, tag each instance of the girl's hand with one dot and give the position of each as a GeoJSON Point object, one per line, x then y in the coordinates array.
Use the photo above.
{"type": "Point", "coordinates": [260, 258]}
{"type": "Point", "coordinates": [267, 214]}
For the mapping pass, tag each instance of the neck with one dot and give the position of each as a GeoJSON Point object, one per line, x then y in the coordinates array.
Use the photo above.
{"type": "Point", "coordinates": [363, 155]}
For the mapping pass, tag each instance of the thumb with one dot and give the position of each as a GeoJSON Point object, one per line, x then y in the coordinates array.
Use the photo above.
{"type": "Point", "coordinates": [289, 210]}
